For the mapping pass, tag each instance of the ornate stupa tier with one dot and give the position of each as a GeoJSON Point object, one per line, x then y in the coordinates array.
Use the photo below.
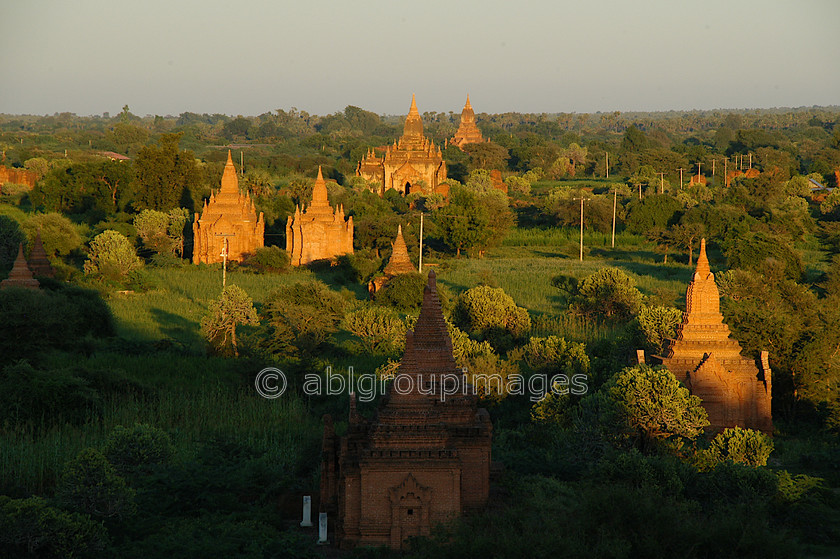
{"type": "Point", "coordinates": [21, 275]}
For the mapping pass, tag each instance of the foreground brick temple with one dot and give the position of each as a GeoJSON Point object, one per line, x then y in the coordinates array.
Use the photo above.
{"type": "Point", "coordinates": [735, 390]}
{"type": "Point", "coordinates": [422, 460]}
{"type": "Point", "coordinates": [413, 164]}
{"type": "Point", "coordinates": [228, 223]}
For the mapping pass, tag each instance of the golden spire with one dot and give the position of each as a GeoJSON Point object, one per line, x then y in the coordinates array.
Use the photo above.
{"type": "Point", "coordinates": [468, 106]}
{"type": "Point", "coordinates": [230, 182]}
{"type": "Point", "coordinates": [703, 260]}
{"type": "Point", "coordinates": [412, 111]}
{"type": "Point", "coordinates": [319, 191]}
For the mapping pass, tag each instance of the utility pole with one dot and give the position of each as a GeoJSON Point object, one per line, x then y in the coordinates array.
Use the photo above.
{"type": "Point", "coordinates": [582, 200]}
{"type": "Point", "coordinates": [750, 160]}
{"type": "Point", "coordinates": [608, 163]}
{"type": "Point", "coordinates": [241, 163]}
{"type": "Point", "coordinates": [420, 265]}
{"type": "Point", "coordinates": [681, 172]}
{"type": "Point", "coordinates": [725, 178]}
{"type": "Point", "coordinates": [698, 172]}
{"type": "Point", "coordinates": [615, 203]}
{"type": "Point", "coordinates": [713, 166]}
{"type": "Point", "coordinates": [662, 183]}
{"type": "Point", "coordinates": [640, 189]}
{"type": "Point", "coordinates": [224, 256]}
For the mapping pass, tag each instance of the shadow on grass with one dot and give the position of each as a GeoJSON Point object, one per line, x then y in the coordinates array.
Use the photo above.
{"type": "Point", "coordinates": [177, 328]}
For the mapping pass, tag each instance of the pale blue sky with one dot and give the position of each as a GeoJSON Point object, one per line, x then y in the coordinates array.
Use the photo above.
{"type": "Point", "coordinates": [249, 56]}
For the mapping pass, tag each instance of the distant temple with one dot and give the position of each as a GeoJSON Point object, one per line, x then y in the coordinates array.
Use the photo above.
{"type": "Point", "coordinates": [734, 390]}
{"type": "Point", "coordinates": [468, 132]}
{"type": "Point", "coordinates": [228, 223]}
{"type": "Point", "coordinates": [399, 263]}
{"type": "Point", "coordinates": [17, 176]}
{"type": "Point", "coordinates": [318, 232]}
{"type": "Point", "coordinates": [423, 460]}
{"type": "Point", "coordinates": [413, 164]}
{"type": "Point", "coordinates": [21, 275]}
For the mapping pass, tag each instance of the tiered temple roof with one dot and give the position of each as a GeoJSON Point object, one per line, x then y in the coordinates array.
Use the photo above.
{"type": "Point", "coordinates": [424, 458]}
{"type": "Point", "coordinates": [468, 132]}
{"type": "Point", "coordinates": [227, 224]}
{"type": "Point", "coordinates": [318, 232]}
{"type": "Point", "coordinates": [412, 164]}
{"type": "Point", "coordinates": [21, 275]}
{"type": "Point", "coordinates": [38, 261]}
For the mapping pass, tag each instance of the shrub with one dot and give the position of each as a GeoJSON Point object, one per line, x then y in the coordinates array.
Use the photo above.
{"type": "Point", "coordinates": [609, 292]}
{"type": "Point", "coordinates": [232, 309]}
{"type": "Point", "coordinates": [403, 292]}
{"type": "Point", "coordinates": [58, 234]}
{"type": "Point", "coordinates": [32, 528]}
{"type": "Point", "coordinates": [380, 330]}
{"type": "Point", "coordinates": [29, 394]}
{"type": "Point", "coordinates": [139, 446]}
{"type": "Point", "coordinates": [744, 446]}
{"type": "Point", "coordinates": [111, 257]}
{"type": "Point", "coordinates": [488, 313]}
{"type": "Point", "coordinates": [359, 267]}
{"type": "Point", "coordinates": [90, 485]}
{"type": "Point", "coordinates": [271, 259]}
{"type": "Point", "coordinates": [654, 325]}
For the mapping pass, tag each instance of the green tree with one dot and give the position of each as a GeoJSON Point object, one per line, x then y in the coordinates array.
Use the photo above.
{"type": "Point", "coordinates": [129, 449]}
{"type": "Point", "coordinates": [111, 256]}
{"type": "Point", "coordinates": [232, 309]}
{"type": "Point", "coordinates": [655, 211]}
{"type": "Point", "coordinates": [656, 324]}
{"type": "Point", "coordinates": [165, 176]}
{"type": "Point", "coordinates": [488, 313]}
{"type": "Point", "coordinates": [11, 237]}
{"type": "Point", "coordinates": [90, 485]}
{"type": "Point", "coordinates": [744, 446]}
{"type": "Point", "coordinates": [380, 329]}
{"type": "Point", "coordinates": [609, 292]}
{"type": "Point", "coordinates": [655, 406]}
{"type": "Point", "coordinates": [58, 234]}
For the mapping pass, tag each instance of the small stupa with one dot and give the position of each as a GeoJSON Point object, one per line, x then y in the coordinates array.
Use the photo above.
{"type": "Point", "coordinates": [21, 275]}
{"type": "Point", "coordinates": [468, 132]}
{"type": "Point", "coordinates": [399, 263]}
{"type": "Point", "coordinates": [38, 261]}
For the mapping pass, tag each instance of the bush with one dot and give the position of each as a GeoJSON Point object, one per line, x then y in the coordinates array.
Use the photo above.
{"type": "Point", "coordinates": [756, 251]}
{"type": "Point", "coordinates": [610, 293]}
{"type": "Point", "coordinates": [58, 234]}
{"type": "Point", "coordinates": [32, 528]}
{"type": "Point", "coordinates": [403, 292]}
{"type": "Point", "coordinates": [142, 445]}
{"type": "Point", "coordinates": [655, 211]}
{"type": "Point", "coordinates": [654, 325]}
{"type": "Point", "coordinates": [90, 485]}
{"type": "Point", "coordinates": [271, 259]}
{"type": "Point", "coordinates": [359, 267]}
{"type": "Point", "coordinates": [57, 395]}
{"type": "Point", "coordinates": [112, 257]}
{"type": "Point", "coordinates": [488, 313]}
{"type": "Point", "coordinates": [380, 330]}
{"type": "Point", "coordinates": [743, 446]}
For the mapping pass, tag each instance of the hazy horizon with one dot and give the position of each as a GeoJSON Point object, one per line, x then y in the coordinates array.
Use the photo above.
{"type": "Point", "coordinates": [158, 57]}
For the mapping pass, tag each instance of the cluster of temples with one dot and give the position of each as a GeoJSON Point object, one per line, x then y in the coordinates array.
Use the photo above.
{"type": "Point", "coordinates": [735, 391]}
{"type": "Point", "coordinates": [25, 273]}
{"type": "Point", "coordinates": [411, 164]}
{"type": "Point", "coordinates": [423, 460]}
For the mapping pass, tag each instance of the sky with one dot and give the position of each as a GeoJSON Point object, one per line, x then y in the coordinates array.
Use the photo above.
{"type": "Point", "coordinates": [248, 57]}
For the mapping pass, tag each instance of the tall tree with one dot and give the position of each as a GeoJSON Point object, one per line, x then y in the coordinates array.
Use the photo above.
{"type": "Point", "coordinates": [165, 176]}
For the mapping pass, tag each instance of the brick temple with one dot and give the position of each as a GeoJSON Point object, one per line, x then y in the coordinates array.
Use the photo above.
{"type": "Point", "coordinates": [318, 232]}
{"type": "Point", "coordinates": [735, 390]}
{"type": "Point", "coordinates": [468, 132]}
{"type": "Point", "coordinates": [399, 263]}
{"type": "Point", "coordinates": [21, 275]}
{"type": "Point", "coordinates": [228, 222]}
{"type": "Point", "coordinates": [412, 164]}
{"type": "Point", "coordinates": [38, 262]}
{"type": "Point", "coordinates": [17, 176]}
{"type": "Point", "coordinates": [422, 460]}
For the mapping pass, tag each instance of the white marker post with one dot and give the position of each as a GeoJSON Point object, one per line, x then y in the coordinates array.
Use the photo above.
{"type": "Point", "coordinates": [322, 529]}
{"type": "Point", "coordinates": [307, 512]}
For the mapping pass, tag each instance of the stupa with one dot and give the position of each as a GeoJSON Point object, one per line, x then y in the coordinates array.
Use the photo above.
{"type": "Point", "coordinates": [413, 164]}
{"type": "Point", "coordinates": [21, 275]}
{"type": "Point", "coordinates": [318, 232]}
{"type": "Point", "coordinates": [227, 224]}
{"type": "Point", "coordinates": [423, 460]}
{"type": "Point", "coordinates": [399, 263]}
{"type": "Point", "coordinates": [38, 261]}
{"type": "Point", "coordinates": [468, 132]}
{"type": "Point", "coordinates": [735, 390]}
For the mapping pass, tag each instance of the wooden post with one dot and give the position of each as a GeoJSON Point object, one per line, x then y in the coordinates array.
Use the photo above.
{"type": "Point", "coordinates": [615, 203]}
{"type": "Point", "coordinates": [750, 160]}
{"type": "Point", "coordinates": [725, 177]}
{"type": "Point", "coordinates": [713, 166]}
{"type": "Point", "coordinates": [640, 189]}
{"type": "Point", "coordinates": [420, 264]}
{"type": "Point", "coordinates": [608, 163]}
{"type": "Point", "coordinates": [662, 183]}
{"type": "Point", "coordinates": [224, 256]}
{"type": "Point", "coordinates": [582, 200]}
{"type": "Point", "coordinates": [698, 172]}
{"type": "Point", "coordinates": [681, 172]}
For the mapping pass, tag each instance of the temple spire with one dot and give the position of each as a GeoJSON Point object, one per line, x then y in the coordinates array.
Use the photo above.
{"type": "Point", "coordinates": [468, 106]}
{"type": "Point", "coordinates": [412, 111]}
{"type": "Point", "coordinates": [319, 191]}
{"type": "Point", "coordinates": [230, 182]}
{"type": "Point", "coordinates": [703, 260]}
{"type": "Point", "coordinates": [21, 275]}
